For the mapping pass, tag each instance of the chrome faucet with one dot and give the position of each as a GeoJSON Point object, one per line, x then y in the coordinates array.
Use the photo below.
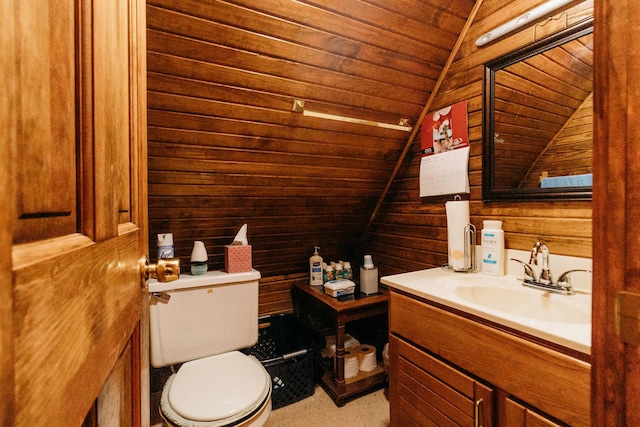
{"type": "Point", "coordinates": [545, 273]}
{"type": "Point", "coordinates": [545, 281]}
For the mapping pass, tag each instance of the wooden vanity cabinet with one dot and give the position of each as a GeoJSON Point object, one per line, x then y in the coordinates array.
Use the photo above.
{"type": "Point", "coordinates": [429, 392]}
{"type": "Point", "coordinates": [447, 369]}
{"type": "Point", "coordinates": [518, 415]}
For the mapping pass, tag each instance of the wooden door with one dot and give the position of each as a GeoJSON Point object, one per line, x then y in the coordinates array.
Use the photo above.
{"type": "Point", "coordinates": [73, 193]}
{"type": "Point", "coordinates": [616, 202]}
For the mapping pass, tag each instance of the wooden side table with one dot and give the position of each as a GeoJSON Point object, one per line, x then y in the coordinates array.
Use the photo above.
{"type": "Point", "coordinates": [312, 299]}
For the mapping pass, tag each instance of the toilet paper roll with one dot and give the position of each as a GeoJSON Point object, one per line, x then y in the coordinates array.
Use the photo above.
{"type": "Point", "coordinates": [351, 363]}
{"type": "Point", "coordinates": [330, 348]}
{"type": "Point", "coordinates": [457, 220]}
{"type": "Point", "coordinates": [367, 357]}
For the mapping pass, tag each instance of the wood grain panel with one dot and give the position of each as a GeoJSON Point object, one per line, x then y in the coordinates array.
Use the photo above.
{"type": "Point", "coordinates": [485, 351]}
{"type": "Point", "coordinates": [46, 133]}
{"type": "Point", "coordinates": [220, 33]}
{"type": "Point", "coordinates": [447, 395]}
{"type": "Point", "coordinates": [111, 110]}
{"type": "Point", "coordinates": [616, 204]}
{"type": "Point", "coordinates": [112, 408]}
{"type": "Point", "coordinates": [76, 298]}
{"type": "Point", "coordinates": [67, 332]}
{"type": "Point", "coordinates": [226, 149]}
{"type": "Point", "coordinates": [8, 142]}
{"type": "Point", "coordinates": [275, 293]}
{"type": "Point", "coordinates": [519, 415]}
{"type": "Point", "coordinates": [410, 232]}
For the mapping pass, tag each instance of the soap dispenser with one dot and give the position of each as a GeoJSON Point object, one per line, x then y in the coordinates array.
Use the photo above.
{"type": "Point", "coordinates": [315, 268]}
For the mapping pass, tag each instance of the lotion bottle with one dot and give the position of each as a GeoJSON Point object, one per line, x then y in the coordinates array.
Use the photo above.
{"type": "Point", "coordinates": [493, 248]}
{"type": "Point", "coordinates": [315, 268]}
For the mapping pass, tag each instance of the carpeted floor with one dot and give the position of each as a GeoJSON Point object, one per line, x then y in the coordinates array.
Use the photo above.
{"type": "Point", "coordinates": [371, 410]}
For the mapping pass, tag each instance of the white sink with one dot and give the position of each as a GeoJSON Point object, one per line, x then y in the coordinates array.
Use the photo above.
{"type": "Point", "coordinates": [521, 302]}
{"type": "Point", "coordinates": [562, 319]}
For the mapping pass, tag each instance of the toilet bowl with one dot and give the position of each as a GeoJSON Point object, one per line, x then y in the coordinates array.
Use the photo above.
{"type": "Point", "coordinates": [230, 389]}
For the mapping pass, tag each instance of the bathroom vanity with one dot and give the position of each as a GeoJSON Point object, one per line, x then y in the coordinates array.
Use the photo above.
{"type": "Point", "coordinates": [471, 349]}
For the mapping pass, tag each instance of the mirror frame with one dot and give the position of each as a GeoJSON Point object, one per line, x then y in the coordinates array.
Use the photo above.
{"type": "Point", "coordinates": [489, 193]}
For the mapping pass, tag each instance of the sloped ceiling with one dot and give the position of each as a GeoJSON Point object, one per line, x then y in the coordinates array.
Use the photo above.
{"type": "Point", "coordinates": [225, 147]}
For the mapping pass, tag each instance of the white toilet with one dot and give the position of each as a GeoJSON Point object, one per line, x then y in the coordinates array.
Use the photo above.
{"type": "Point", "coordinates": [205, 319]}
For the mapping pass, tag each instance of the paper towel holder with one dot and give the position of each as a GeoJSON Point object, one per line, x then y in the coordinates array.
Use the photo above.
{"type": "Point", "coordinates": [470, 265]}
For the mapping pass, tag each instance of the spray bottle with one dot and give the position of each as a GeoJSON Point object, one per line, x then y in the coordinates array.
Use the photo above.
{"type": "Point", "coordinates": [315, 268]}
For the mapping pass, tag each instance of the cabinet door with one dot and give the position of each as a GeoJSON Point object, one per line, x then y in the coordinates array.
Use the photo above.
{"type": "Point", "coordinates": [517, 415]}
{"type": "Point", "coordinates": [427, 391]}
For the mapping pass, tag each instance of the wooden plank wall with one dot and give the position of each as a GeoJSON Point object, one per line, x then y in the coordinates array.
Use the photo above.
{"type": "Point", "coordinates": [225, 148]}
{"type": "Point", "coordinates": [410, 232]}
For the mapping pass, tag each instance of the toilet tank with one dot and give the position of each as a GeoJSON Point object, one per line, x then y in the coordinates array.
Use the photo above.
{"type": "Point", "coordinates": [204, 315]}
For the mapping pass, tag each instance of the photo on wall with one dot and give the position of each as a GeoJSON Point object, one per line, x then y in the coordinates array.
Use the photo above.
{"type": "Point", "coordinates": [445, 130]}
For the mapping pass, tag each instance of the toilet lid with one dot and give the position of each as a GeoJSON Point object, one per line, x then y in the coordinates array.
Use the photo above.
{"type": "Point", "coordinates": [217, 387]}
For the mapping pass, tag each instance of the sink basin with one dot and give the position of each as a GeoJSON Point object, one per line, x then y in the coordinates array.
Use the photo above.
{"type": "Point", "coordinates": [536, 305]}
{"type": "Point", "coordinates": [561, 319]}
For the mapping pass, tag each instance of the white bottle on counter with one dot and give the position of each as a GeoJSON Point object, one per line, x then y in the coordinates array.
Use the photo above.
{"type": "Point", "coordinates": [493, 248]}
{"type": "Point", "coordinates": [315, 268]}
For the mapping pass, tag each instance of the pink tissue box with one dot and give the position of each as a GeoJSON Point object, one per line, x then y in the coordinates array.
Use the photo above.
{"type": "Point", "coordinates": [237, 258]}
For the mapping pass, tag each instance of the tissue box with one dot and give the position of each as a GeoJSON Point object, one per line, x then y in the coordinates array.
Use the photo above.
{"type": "Point", "coordinates": [237, 258]}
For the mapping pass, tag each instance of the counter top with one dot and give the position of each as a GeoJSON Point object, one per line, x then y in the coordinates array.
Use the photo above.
{"type": "Point", "coordinates": [560, 319]}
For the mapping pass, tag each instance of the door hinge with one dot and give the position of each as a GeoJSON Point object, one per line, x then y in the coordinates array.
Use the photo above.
{"type": "Point", "coordinates": [628, 317]}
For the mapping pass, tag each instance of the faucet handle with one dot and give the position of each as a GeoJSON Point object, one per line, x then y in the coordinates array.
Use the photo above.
{"type": "Point", "coordinates": [533, 259]}
{"type": "Point", "coordinates": [529, 275]}
{"type": "Point", "coordinates": [565, 278]}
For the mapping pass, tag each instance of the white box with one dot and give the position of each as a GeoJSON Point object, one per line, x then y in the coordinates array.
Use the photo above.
{"type": "Point", "coordinates": [337, 288]}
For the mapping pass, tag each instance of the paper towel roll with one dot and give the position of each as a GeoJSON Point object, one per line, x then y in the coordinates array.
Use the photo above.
{"type": "Point", "coordinates": [351, 363]}
{"type": "Point", "coordinates": [367, 357]}
{"type": "Point", "coordinates": [457, 220]}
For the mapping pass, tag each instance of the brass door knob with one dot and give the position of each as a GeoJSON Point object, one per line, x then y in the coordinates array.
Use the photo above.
{"type": "Point", "coordinates": [165, 270]}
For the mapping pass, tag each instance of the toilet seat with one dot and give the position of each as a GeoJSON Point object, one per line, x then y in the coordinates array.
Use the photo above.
{"type": "Point", "coordinates": [217, 390]}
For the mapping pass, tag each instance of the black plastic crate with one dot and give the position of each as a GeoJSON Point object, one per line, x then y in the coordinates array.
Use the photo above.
{"type": "Point", "coordinates": [290, 351]}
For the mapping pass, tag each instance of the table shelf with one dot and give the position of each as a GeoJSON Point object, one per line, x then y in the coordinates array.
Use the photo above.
{"type": "Point", "coordinates": [340, 311]}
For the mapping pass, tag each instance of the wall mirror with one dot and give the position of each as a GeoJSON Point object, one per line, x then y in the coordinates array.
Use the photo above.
{"type": "Point", "coordinates": [538, 120]}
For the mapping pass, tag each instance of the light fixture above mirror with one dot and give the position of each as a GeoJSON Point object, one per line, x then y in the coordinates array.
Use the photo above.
{"type": "Point", "coordinates": [522, 20]}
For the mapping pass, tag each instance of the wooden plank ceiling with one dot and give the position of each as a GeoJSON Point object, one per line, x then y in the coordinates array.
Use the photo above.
{"type": "Point", "coordinates": [225, 147]}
